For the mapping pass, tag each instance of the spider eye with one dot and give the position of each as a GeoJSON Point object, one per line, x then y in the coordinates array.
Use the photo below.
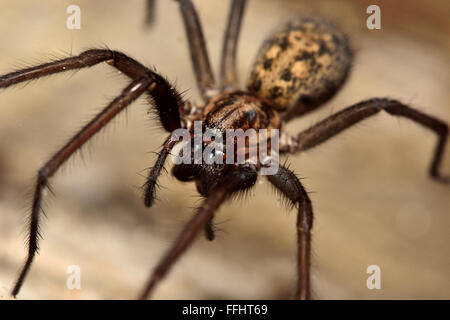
{"type": "Point", "coordinates": [301, 65]}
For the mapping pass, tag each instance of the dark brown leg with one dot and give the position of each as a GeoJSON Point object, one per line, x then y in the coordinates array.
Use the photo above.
{"type": "Point", "coordinates": [210, 234]}
{"type": "Point", "coordinates": [128, 95]}
{"type": "Point", "coordinates": [346, 118]}
{"type": "Point", "coordinates": [197, 48]}
{"type": "Point", "coordinates": [85, 59]}
{"type": "Point", "coordinates": [228, 61]}
{"type": "Point", "coordinates": [149, 12]}
{"type": "Point", "coordinates": [166, 99]}
{"type": "Point", "coordinates": [239, 179]}
{"type": "Point", "coordinates": [189, 172]}
{"type": "Point", "coordinates": [290, 187]}
{"type": "Point", "coordinates": [151, 183]}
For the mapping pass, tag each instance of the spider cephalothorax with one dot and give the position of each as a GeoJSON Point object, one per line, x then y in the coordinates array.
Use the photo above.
{"type": "Point", "coordinates": [240, 110]}
{"type": "Point", "coordinates": [299, 67]}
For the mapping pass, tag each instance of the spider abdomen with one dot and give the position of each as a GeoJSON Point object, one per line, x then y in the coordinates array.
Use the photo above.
{"type": "Point", "coordinates": [301, 66]}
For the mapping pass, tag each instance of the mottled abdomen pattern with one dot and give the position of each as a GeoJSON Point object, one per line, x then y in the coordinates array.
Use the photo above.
{"type": "Point", "coordinates": [301, 65]}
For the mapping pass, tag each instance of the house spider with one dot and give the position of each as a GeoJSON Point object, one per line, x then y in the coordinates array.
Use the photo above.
{"type": "Point", "coordinates": [299, 67]}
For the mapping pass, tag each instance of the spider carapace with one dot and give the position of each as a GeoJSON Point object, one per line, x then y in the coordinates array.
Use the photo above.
{"type": "Point", "coordinates": [298, 68]}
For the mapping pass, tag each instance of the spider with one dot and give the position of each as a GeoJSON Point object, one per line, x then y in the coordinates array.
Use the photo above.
{"type": "Point", "coordinates": [298, 68]}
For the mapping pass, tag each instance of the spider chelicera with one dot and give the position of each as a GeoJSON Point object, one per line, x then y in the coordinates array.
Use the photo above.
{"type": "Point", "coordinates": [298, 68]}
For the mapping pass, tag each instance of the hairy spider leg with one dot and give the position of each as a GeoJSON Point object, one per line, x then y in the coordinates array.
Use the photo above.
{"type": "Point", "coordinates": [166, 99]}
{"type": "Point", "coordinates": [197, 49]}
{"type": "Point", "coordinates": [237, 180]}
{"type": "Point", "coordinates": [228, 68]}
{"type": "Point", "coordinates": [348, 117]}
{"type": "Point", "coordinates": [290, 186]}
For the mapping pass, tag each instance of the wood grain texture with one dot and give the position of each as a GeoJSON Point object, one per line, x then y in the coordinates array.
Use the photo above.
{"type": "Point", "coordinates": [373, 201]}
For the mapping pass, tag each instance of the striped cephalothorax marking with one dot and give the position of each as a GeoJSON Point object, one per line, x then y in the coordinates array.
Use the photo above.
{"type": "Point", "coordinates": [240, 110]}
{"type": "Point", "coordinates": [299, 67]}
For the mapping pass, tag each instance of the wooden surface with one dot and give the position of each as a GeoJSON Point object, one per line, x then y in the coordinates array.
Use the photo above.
{"type": "Point", "coordinates": [373, 201]}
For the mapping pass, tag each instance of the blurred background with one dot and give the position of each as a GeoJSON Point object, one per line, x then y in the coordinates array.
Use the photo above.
{"type": "Point", "coordinates": [373, 200]}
